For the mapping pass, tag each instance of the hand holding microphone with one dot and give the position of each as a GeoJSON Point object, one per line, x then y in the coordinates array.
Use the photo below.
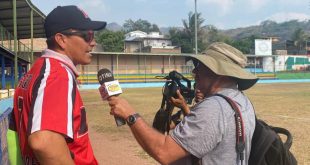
{"type": "Point", "coordinates": [112, 89]}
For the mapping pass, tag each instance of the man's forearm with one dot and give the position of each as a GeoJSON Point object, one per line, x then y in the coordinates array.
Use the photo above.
{"type": "Point", "coordinates": [147, 137]}
{"type": "Point", "coordinates": [156, 144]}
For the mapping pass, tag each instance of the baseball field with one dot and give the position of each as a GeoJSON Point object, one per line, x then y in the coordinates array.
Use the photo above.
{"type": "Point", "coordinates": [283, 105]}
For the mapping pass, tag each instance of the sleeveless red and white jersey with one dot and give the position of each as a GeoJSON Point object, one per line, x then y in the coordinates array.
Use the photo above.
{"type": "Point", "coordinates": [47, 98]}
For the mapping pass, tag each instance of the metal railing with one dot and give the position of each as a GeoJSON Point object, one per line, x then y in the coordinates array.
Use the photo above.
{"type": "Point", "coordinates": [6, 93]}
{"type": "Point", "coordinates": [7, 42]}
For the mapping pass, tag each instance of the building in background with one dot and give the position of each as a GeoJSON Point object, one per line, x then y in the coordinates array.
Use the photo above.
{"type": "Point", "coordinates": [138, 41]}
{"type": "Point", "coordinates": [15, 56]}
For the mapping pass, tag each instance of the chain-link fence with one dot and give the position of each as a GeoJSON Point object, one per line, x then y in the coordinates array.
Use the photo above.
{"type": "Point", "coordinates": [136, 73]}
{"type": "Point", "coordinates": [4, 124]}
{"type": "Point", "coordinates": [132, 73]}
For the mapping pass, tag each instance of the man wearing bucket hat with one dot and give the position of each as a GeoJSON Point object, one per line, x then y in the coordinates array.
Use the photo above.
{"type": "Point", "coordinates": [208, 132]}
{"type": "Point", "coordinates": [49, 111]}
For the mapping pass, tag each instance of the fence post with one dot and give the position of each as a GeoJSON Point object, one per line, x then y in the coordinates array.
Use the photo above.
{"type": "Point", "coordinates": [144, 68]}
{"type": "Point", "coordinates": [255, 58]}
{"type": "Point", "coordinates": [274, 66]}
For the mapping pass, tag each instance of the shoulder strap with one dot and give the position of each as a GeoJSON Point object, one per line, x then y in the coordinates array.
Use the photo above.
{"type": "Point", "coordinates": [240, 139]}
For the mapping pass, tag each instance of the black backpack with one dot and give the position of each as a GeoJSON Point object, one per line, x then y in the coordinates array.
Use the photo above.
{"type": "Point", "coordinates": [267, 147]}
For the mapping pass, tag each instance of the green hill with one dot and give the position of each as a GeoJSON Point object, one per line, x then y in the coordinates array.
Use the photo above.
{"type": "Point", "coordinates": [269, 29]}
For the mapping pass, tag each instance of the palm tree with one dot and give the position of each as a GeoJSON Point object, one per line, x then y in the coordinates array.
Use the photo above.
{"type": "Point", "coordinates": [189, 27]}
{"type": "Point", "coordinates": [299, 37]}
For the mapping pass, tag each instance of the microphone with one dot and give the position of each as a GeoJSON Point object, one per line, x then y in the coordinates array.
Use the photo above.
{"type": "Point", "coordinates": [106, 78]}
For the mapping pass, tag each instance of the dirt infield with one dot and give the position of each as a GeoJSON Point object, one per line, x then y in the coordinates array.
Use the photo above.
{"type": "Point", "coordinates": [283, 105]}
{"type": "Point", "coordinates": [112, 150]}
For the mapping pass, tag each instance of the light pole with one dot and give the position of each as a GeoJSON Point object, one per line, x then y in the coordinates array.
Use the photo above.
{"type": "Point", "coordinates": [196, 47]}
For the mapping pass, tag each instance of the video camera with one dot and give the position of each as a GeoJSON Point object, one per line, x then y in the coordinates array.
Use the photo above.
{"type": "Point", "coordinates": [173, 83]}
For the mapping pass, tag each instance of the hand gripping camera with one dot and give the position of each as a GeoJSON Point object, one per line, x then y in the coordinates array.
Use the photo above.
{"type": "Point", "coordinates": [173, 83]}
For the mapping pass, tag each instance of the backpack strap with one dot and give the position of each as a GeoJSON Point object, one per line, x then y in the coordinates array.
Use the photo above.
{"type": "Point", "coordinates": [240, 138]}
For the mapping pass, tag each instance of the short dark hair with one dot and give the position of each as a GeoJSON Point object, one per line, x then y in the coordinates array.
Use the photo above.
{"type": "Point", "coordinates": [51, 42]}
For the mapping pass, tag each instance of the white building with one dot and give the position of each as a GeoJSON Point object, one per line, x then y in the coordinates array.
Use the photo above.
{"type": "Point", "coordinates": [138, 41]}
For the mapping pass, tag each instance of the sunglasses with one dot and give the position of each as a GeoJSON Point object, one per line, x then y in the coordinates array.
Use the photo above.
{"type": "Point", "coordinates": [88, 36]}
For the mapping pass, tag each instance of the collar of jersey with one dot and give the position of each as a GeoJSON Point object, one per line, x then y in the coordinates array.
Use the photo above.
{"type": "Point", "coordinates": [48, 53]}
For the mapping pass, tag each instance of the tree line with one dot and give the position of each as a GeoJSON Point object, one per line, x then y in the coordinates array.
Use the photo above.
{"type": "Point", "coordinates": [113, 41]}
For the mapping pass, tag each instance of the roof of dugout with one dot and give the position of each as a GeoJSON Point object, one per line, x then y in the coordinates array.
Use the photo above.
{"type": "Point", "coordinates": [23, 13]}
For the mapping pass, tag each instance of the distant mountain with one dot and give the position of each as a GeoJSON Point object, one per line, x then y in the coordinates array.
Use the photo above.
{"type": "Point", "coordinates": [165, 30]}
{"type": "Point", "coordinates": [283, 31]}
{"type": "Point", "coordinates": [269, 28]}
{"type": "Point", "coordinates": [114, 27]}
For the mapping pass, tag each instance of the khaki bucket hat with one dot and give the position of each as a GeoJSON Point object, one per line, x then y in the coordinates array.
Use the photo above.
{"type": "Point", "coordinates": [226, 60]}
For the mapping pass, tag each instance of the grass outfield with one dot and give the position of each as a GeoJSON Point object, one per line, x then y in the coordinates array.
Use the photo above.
{"type": "Point", "coordinates": [297, 75]}
{"type": "Point", "coordinates": [282, 105]}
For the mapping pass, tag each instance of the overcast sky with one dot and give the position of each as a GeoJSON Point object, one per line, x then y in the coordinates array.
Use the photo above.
{"type": "Point", "coordinates": [224, 14]}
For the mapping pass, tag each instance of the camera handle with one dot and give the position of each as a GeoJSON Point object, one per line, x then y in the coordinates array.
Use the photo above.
{"type": "Point", "coordinates": [163, 117]}
{"type": "Point", "coordinates": [170, 88]}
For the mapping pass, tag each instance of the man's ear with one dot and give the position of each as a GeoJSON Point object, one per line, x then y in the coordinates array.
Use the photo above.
{"type": "Point", "coordinates": [60, 40]}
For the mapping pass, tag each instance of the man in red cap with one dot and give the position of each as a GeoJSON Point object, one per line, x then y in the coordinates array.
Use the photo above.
{"type": "Point", "coordinates": [48, 109]}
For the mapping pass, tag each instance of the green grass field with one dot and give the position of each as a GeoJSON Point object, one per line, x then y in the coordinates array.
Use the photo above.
{"type": "Point", "coordinates": [282, 105]}
{"type": "Point", "coordinates": [297, 75]}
